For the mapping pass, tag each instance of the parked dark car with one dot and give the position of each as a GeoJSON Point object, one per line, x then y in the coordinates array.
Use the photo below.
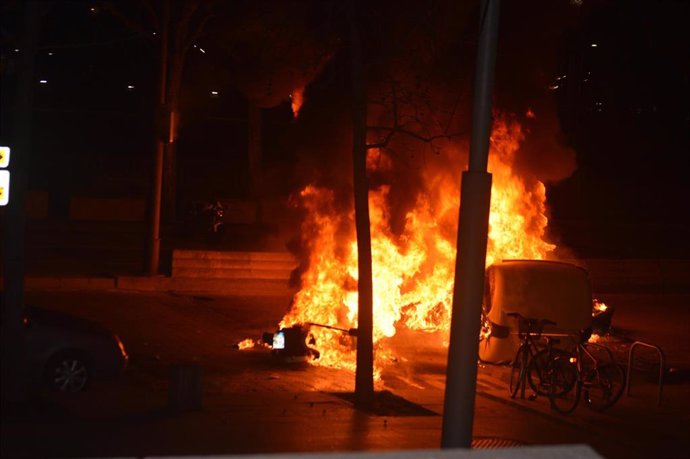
{"type": "Point", "coordinates": [67, 353]}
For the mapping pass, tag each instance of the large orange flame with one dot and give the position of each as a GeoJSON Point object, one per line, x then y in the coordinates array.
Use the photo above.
{"type": "Point", "coordinates": [412, 272]}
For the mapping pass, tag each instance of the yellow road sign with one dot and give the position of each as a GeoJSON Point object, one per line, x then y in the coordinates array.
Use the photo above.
{"type": "Point", "coordinates": [4, 156]}
{"type": "Point", "coordinates": [4, 187]}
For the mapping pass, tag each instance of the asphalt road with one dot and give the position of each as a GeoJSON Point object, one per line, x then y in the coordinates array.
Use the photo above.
{"type": "Point", "coordinates": [252, 404]}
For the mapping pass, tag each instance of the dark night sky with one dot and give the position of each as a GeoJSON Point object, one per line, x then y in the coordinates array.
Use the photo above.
{"type": "Point", "coordinates": [623, 106]}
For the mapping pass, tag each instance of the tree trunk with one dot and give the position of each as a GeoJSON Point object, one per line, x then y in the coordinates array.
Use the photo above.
{"type": "Point", "coordinates": [173, 105]}
{"type": "Point", "coordinates": [179, 46]}
{"type": "Point", "coordinates": [364, 376]}
{"type": "Point", "coordinates": [169, 181]}
{"type": "Point", "coordinates": [152, 265]}
{"type": "Point", "coordinates": [254, 156]}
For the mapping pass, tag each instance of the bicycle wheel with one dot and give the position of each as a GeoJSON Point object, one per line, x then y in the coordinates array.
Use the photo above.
{"type": "Point", "coordinates": [603, 386]}
{"type": "Point", "coordinates": [563, 385]}
{"type": "Point", "coordinates": [517, 371]}
{"type": "Point", "coordinates": [537, 376]}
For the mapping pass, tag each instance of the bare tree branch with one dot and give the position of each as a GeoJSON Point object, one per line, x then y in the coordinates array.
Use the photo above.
{"type": "Point", "coordinates": [198, 30]}
{"type": "Point", "coordinates": [127, 21]}
{"type": "Point", "coordinates": [392, 130]}
{"type": "Point", "coordinates": [154, 18]}
{"type": "Point", "coordinates": [401, 121]}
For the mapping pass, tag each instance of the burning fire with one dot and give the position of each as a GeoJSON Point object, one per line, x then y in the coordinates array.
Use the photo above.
{"type": "Point", "coordinates": [599, 306]}
{"type": "Point", "coordinates": [297, 97]}
{"type": "Point", "coordinates": [413, 271]}
{"type": "Point", "coordinates": [246, 344]}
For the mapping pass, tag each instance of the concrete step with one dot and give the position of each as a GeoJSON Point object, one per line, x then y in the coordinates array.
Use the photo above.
{"type": "Point", "coordinates": [232, 273]}
{"type": "Point", "coordinates": [181, 254]}
{"type": "Point", "coordinates": [232, 265]}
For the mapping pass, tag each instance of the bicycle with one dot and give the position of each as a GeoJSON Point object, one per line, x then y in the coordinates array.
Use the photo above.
{"type": "Point", "coordinates": [532, 363]}
{"type": "Point", "coordinates": [599, 380]}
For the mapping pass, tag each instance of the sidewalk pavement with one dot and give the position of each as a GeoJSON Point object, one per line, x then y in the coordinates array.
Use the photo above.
{"type": "Point", "coordinates": [253, 405]}
{"type": "Point", "coordinates": [296, 419]}
{"type": "Point", "coordinates": [157, 283]}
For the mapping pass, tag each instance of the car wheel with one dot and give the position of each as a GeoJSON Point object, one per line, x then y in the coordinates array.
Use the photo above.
{"type": "Point", "coordinates": [68, 372]}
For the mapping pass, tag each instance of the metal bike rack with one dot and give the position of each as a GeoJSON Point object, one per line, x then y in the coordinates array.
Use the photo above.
{"type": "Point", "coordinates": [631, 354]}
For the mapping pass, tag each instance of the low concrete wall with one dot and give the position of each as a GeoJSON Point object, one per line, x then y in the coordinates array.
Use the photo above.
{"type": "Point", "coordinates": [241, 287]}
{"type": "Point", "coordinates": [67, 283]}
{"type": "Point", "coordinates": [232, 265]}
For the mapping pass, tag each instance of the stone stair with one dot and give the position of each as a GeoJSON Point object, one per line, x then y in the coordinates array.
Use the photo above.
{"type": "Point", "coordinates": [233, 265]}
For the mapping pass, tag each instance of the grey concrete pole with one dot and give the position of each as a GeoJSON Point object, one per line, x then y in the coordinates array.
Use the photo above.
{"type": "Point", "coordinates": [483, 85]}
{"type": "Point", "coordinates": [473, 225]}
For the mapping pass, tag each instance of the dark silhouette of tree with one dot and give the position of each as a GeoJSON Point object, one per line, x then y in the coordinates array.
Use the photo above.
{"type": "Point", "coordinates": [176, 25]}
{"type": "Point", "coordinates": [391, 97]}
{"type": "Point", "coordinates": [185, 21]}
{"type": "Point", "coordinates": [364, 376]}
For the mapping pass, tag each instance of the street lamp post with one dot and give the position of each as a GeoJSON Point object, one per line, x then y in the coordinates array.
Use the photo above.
{"type": "Point", "coordinates": [461, 378]}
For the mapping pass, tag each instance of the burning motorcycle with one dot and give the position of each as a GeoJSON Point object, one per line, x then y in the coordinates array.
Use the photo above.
{"type": "Point", "coordinates": [296, 343]}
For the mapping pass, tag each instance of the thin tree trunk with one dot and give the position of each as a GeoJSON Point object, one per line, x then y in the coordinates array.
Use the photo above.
{"type": "Point", "coordinates": [364, 376]}
{"type": "Point", "coordinates": [153, 254]}
{"type": "Point", "coordinates": [255, 156]}
{"type": "Point", "coordinates": [170, 179]}
{"type": "Point", "coordinates": [173, 105]}
{"type": "Point", "coordinates": [179, 47]}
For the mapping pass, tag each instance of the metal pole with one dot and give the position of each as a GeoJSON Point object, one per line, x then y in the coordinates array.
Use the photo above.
{"type": "Point", "coordinates": [156, 193]}
{"type": "Point", "coordinates": [461, 378]}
